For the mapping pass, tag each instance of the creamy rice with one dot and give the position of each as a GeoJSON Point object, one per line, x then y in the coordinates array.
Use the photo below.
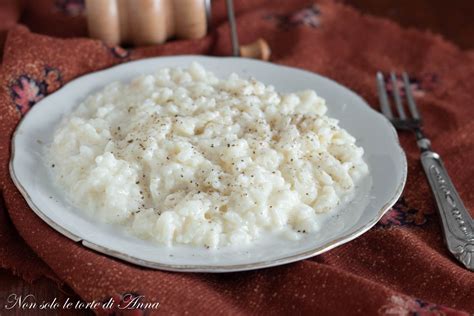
{"type": "Point", "coordinates": [181, 156]}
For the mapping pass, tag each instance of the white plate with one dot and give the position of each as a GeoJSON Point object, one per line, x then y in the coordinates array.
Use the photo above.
{"type": "Point", "coordinates": [375, 194]}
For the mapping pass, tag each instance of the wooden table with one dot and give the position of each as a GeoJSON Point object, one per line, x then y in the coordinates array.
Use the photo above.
{"type": "Point", "coordinates": [454, 20]}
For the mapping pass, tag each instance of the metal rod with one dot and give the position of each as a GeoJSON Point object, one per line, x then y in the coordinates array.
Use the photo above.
{"type": "Point", "coordinates": [233, 28]}
{"type": "Point", "coordinates": [207, 6]}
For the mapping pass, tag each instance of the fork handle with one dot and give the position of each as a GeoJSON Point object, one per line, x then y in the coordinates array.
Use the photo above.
{"type": "Point", "coordinates": [457, 222]}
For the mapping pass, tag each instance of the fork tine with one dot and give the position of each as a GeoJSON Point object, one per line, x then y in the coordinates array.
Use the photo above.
{"type": "Point", "coordinates": [411, 101]}
{"type": "Point", "coordinates": [384, 104]}
{"type": "Point", "coordinates": [396, 96]}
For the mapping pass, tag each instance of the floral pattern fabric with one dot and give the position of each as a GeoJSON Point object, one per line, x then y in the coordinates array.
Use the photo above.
{"type": "Point", "coordinates": [70, 7]}
{"type": "Point", "coordinates": [309, 17]}
{"type": "Point", "coordinates": [401, 214]}
{"type": "Point", "coordinates": [373, 274]}
{"type": "Point", "coordinates": [420, 85]}
{"type": "Point", "coordinates": [26, 91]}
{"type": "Point", "coordinates": [401, 306]}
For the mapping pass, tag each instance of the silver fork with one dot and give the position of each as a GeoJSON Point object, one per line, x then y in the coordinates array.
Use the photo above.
{"type": "Point", "coordinates": [458, 226]}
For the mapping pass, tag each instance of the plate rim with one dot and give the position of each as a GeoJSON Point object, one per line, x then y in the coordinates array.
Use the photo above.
{"type": "Point", "coordinates": [214, 268]}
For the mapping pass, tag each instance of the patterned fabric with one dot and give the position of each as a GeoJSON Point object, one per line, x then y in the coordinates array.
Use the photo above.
{"type": "Point", "coordinates": [26, 91]}
{"type": "Point", "coordinates": [400, 267]}
{"type": "Point", "coordinates": [308, 16]}
{"type": "Point", "coordinates": [70, 7]}
{"type": "Point", "coordinates": [399, 305]}
{"type": "Point", "coordinates": [419, 85]}
{"type": "Point", "coordinates": [401, 215]}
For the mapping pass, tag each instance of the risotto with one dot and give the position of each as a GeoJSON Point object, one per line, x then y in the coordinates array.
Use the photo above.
{"type": "Point", "coordinates": [183, 157]}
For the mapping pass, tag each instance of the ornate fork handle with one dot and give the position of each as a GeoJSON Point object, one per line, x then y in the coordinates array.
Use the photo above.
{"type": "Point", "coordinates": [457, 223]}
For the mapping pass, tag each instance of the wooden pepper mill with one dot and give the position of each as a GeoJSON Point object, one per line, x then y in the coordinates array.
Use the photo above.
{"type": "Point", "coordinates": [148, 22]}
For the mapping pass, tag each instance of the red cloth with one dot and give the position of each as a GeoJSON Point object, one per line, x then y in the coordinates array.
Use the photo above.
{"type": "Point", "coordinates": [399, 267]}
